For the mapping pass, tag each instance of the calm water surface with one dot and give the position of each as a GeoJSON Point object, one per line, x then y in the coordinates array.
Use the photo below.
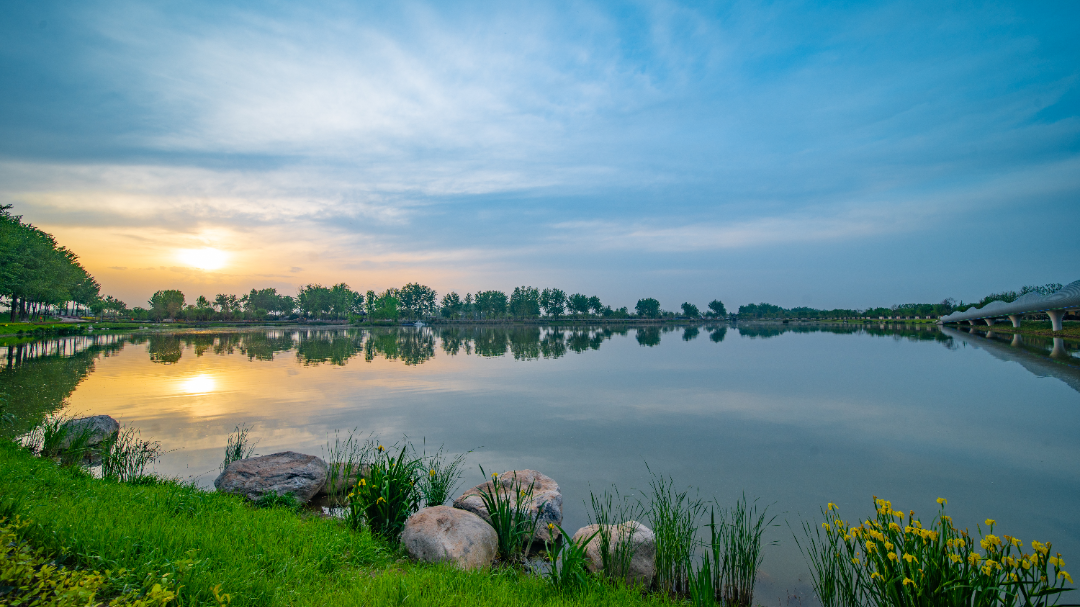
{"type": "Point", "coordinates": [794, 416]}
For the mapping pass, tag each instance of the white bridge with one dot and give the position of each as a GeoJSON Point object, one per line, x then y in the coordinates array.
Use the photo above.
{"type": "Point", "coordinates": [1054, 305]}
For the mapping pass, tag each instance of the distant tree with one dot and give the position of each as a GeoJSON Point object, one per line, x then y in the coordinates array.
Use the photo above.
{"type": "Point", "coordinates": [595, 306]}
{"type": "Point", "coordinates": [525, 302]}
{"type": "Point", "coordinates": [451, 305]}
{"type": "Point", "coordinates": [579, 303]}
{"type": "Point", "coordinates": [553, 302]}
{"type": "Point", "coordinates": [166, 304]}
{"type": "Point", "coordinates": [315, 300]}
{"type": "Point", "coordinates": [648, 308]}
{"type": "Point", "coordinates": [491, 304]}
{"type": "Point", "coordinates": [370, 301]}
{"type": "Point", "coordinates": [386, 306]}
{"type": "Point", "coordinates": [689, 310]}
{"type": "Point", "coordinates": [717, 309]}
{"type": "Point", "coordinates": [417, 300]}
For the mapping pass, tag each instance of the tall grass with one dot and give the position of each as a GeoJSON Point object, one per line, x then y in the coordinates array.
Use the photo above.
{"type": "Point", "coordinates": [347, 461]}
{"type": "Point", "coordinates": [510, 513]}
{"type": "Point", "coordinates": [611, 512]}
{"type": "Point", "coordinates": [443, 475]}
{"type": "Point", "coordinates": [126, 457]}
{"type": "Point", "coordinates": [674, 516]}
{"type": "Point", "coordinates": [238, 447]}
{"type": "Point", "coordinates": [567, 560]}
{"type": "Point", "coordinates": [733, 552]}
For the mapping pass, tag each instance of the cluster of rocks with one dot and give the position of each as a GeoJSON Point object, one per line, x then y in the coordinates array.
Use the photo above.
{"type": "Point", "coordinates": [461, 534]}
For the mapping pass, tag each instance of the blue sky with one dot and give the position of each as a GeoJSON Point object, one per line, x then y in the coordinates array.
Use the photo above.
{"type": "Point", "coordinates": [798, 153]}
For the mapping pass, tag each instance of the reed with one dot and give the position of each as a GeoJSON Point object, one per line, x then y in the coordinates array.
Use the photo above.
{"type": "Point", "coordinates": [674, 516]}
{"type": "Point", "coordinates": [126, 457]}
{"type": "Point", "coordinates": [443, 475]}
{"type": "Point", "coordinates": [733, 553]}
{"type": "Point", "coordinates": [611, 512]}
{"type": "Point", "coordinates": [238, 447]}
{"type": "Point", "coordinates": [347, 461]}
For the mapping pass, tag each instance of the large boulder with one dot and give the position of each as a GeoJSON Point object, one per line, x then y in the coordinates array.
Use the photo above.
{"type": "Point", "coordinates": [546, 499]}
{"type": "Point", "coordinates": [642, 546]}
{"type": "Point", "coordinates": [290, 473]}
{"type": "Point", "coordinates": [442, 533]}
{"type": "Point", "coordinates": [98, 429]}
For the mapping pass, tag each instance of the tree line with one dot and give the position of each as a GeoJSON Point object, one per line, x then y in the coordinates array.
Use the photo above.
{"type": "Point", "coordinates": [413, 301]}
{"type": "Point", "coordinates": [38, 277]}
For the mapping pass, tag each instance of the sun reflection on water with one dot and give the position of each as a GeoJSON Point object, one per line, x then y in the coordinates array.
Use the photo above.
{"type": "Point", "coordinates": [202, 383]}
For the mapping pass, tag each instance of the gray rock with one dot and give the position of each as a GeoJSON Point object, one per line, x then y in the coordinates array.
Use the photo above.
{"type": "Point", "coordinates": [442, 533]}
{"type": "Point", "coordinates": [642, 544]}
{"type": "Point", "coordinates": [547, 499]}
{"type": "Point", "coordinates": [99, 429]}
{"type": "Point", "coordinates": [283, 473]}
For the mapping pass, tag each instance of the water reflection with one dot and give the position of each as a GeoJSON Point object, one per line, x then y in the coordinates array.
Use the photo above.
{"type": "Point", "coordinates": [203, 383]}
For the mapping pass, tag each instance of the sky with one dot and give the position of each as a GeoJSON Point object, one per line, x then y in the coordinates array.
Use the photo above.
{"type": "Point", "coordinates": [800, 153]}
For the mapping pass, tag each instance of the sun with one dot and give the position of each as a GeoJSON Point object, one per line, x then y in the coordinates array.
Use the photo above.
{"type": "Point", "coordinates": [204, 259]}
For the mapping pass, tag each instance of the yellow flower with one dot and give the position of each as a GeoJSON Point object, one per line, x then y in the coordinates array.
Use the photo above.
{"type": "Point", "coordinates": [871, 546]}
{"type": "Point", "coordinates": [832, 506]}
{"type": "Point", "coordinates": [1014, 541]}
{"type": "Point", "coordinates": [974, 558]}
{"type": "Point", "coordinates": [1015, 577]}
{"type": "Point", "coordinates": [1056, 561]}
{"type": "Point", "coordinates": [876, 575]}
{"type": "Point", "coordinates": [381, 499]}
{"type": "Point", "coordinates": [910, 557]}
{"type": "Point", "coordinates": [908, 580]}
{"type": "Point", "coordinates": [1025, 564]}
{"type": "Point", "coordinates": [889, 545]}
{"type": "Point", "coordinates": [826, 527]}
{"type": "Point", "coordinates": [494, 476]}
{"type": "Point", "coordinates": [432, 473]}
{"type": "Point", "coordinates": [381, 448]}
{"type": "Point", "coordinates": [956, 558]}
{"type": "Point", "coordinates": [1040, 547]}
{"type": "Point", "coordinates": [990, 522]}
{"type": "Point", "coordinates": [892, 556]}
{"type": "Point", "coordinates": [1065, 575]}
{"type": "Point", "coordinates": [551, 526]}
{"type": "Point", "coordinates": [855, 560]}
{"type": "Point", "coordinates": [894, 527]}
{"type": "Point", "coordinates": [942, 501]}
{"type": "Point", "coordinates": [362, 483]}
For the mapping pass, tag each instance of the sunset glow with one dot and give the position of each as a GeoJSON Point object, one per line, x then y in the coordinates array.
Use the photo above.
{"type": "Point", "coordinates": [204, 259]}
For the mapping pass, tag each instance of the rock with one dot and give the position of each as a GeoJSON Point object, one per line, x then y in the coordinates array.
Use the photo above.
{"type": "Point", "coordinates": [99, 429]}
{"type": "Point", "coordinates": [340, 478]}
{"type": "Point", "coordinates": [642, 545]}
{"type": "Point", "coordinates": [547, 499]}
{"type": "Point", "coordinates": [442, 533]}
{"type": "Point", "coordinates": [283, 473]}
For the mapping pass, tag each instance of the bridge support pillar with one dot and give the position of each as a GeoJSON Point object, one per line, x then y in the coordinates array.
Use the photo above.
{"type": "Point", "coordinates": [989, 322]}
{"type": "Point", "coordinates": [1015, 318]}
{"type": "Point", "coordinates": [1055, 318]}
{"type": "Point", "coordinates": [1017, 341]}
{"type": "Point", "coordinates": [1059, 349]}
{"type": "Point", "coordinates": [971, 322]}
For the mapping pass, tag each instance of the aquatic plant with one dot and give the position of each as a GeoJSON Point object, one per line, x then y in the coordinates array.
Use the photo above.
{"type": "Point", "coordinates": [442, 477]}
{"type": "Point", "coordinates": [733, 553]}
{"type": "Point", "coordinates": [238, 447]}
{"type": "Point", "coordinates": [610, 512]}
{"type": "Point", "coordinates": [126, 457]}
{"type": "Point", "coordinates": [674, 516]}
{"type": "Point", "coordinates": [510, 513]}
{"type": "Point", "coordinates": [890, 561]}
{"type": "Point", "coordinates": [567, 559]}
{"type": "Point", "coordinates": [347, 460]}
{"type": "Point", "coordinates": [387, 495]}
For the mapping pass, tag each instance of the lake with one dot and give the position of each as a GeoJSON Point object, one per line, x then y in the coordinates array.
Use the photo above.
{"type": "Point", "coordinates": [793, 415]}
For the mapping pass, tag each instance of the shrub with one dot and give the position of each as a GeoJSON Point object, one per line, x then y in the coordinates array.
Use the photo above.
{"type": "Point", "coordinates": [886, 561]}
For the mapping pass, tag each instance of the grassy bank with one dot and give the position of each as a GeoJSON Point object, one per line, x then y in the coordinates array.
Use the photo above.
{"type": "Point", "coordinates": [1069, 329]}
{"type": "Point", "coordinates": [201, 540]}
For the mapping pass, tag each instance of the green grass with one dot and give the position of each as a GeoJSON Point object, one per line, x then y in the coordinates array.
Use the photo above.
{"type": "Point", "coordinates": [267, 556]}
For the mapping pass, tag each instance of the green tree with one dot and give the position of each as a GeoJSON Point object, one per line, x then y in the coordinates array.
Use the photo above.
{"type": "Point", "coordinates": [525, 302]}
{"type": "Point", "coordinates": [553, 302]}
{"type": "Point", "coordinates": [491, 304]}
{"type": "Point", "coordinates": [451, 305]}
{"type": "Point", "coordinates": [595, 306]}
{"type": "Point", "coordinates": [166, 304]}
{"type": "Point", "coordinates": [417, 300]}
{"type": "Point", "coordinates": [648, 308]}
{"type": "Point", "coordinates": [716, 309]}
{"type": "Point", "coordinates": [689, 310]}
{"type": "Point", "coordinates": [579, 303]}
